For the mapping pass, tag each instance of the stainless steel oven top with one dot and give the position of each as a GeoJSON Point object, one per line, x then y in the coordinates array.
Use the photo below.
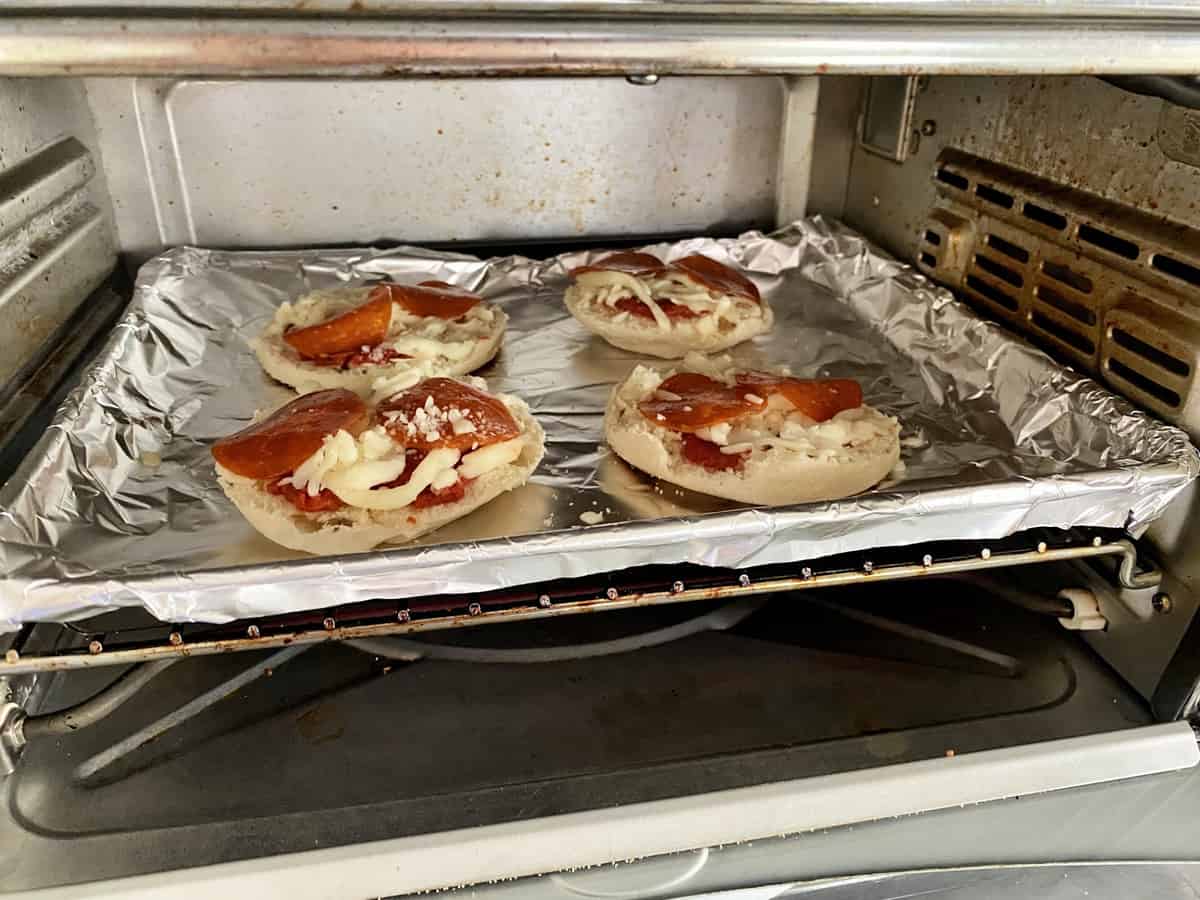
{"type": "Point", "coordinates": [445, 37]}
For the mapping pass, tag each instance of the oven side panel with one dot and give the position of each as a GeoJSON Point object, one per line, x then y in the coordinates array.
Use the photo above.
{"type": "Point", "coordinates": [56, 236]}
{"type": "Point", "coordinates": [1138, 151]}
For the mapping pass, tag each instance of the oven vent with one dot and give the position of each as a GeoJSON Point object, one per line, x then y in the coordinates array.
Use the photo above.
{"type": "Point", "coordinates": [1107, 287]}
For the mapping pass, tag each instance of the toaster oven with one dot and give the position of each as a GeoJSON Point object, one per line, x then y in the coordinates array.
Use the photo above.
{"type": "Point", "coordinates": [268, 732]}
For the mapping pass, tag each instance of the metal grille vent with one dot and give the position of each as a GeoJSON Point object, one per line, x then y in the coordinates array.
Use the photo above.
{"type": "Point", "coordinates": [1112, 289]}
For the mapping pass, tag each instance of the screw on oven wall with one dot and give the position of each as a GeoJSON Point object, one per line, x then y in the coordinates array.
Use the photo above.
{"type": "Point", "coordinates": [474, 609]}
{"type": "Point", "coordinates": [544, 601]}
{"type": "Point", "coordinates": [95, 647]}
{"type": "Point", "coordinates": [1097, 541]}
{"type": "Point", "coordinates": [403, 615]}
{"type": "Point", "coordinates": [174, 638]}
{"type": "Point", "coordinates": [677, 587]}
{"type": "Point", "coordinates": [1041, 548]}
{"type": "Point", "coordinates": [253, 631]}
{"type": "Point", "coordinates": [929, 128]}
{"type": "Point", "coordinates": [612, 594]}
{"type": "Point", "coordinates": [927, 560]}
{"type": "Point", "coordinates": [806, 573]}
{"type": "Point", "coordinates": [868, 567]}
{"type": "Point", "coordinates": [985, 553]}
{"type": "Point", "coordinates": [744, 580]}
{"type": "Point", "coordinates": [329, 623]}
{"type": "Point", "coordinates": [1162, 603]}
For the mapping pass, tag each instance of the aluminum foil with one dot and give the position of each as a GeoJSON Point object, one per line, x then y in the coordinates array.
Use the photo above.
{"type": "Point", "coordinates": [118, 505]}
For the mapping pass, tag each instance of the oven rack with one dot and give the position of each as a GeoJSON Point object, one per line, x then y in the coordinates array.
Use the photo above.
{"type": "Point", "coordinates": [640, 588]}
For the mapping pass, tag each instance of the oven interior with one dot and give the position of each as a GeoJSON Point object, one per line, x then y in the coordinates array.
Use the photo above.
{"type": "Point", "coordinates": [1064, 207]}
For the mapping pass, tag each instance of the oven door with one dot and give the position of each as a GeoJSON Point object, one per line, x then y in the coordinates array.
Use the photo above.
{"type": "Point", "coordinates": [747, 816]}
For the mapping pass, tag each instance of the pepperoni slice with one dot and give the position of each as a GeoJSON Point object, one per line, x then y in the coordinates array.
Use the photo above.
{"type": "Point", "coordinates": [430, 298]}
{"type": "Point", "coordinates": [625, 261]}
{"type": "Point", "coordinates": [707, 454]}
{"type": "Point", "coordinates": [364, 326]}
{"type": "Point", "coordinates": [717, 276]}
{"type": "Point", "coordinates": [819, 399]}
{"type": "Point", "coordinates": [412, 415]}
{"type": "Point", "coordinates": [276, 445]}
{"type": "Point", "coordinates": [638, 308]}
{"type": "Point", "coordinates": [704, 402]}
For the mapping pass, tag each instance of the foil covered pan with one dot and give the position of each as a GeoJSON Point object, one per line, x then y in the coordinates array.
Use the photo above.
{"type": "Point", "coordinates": [118, 504]}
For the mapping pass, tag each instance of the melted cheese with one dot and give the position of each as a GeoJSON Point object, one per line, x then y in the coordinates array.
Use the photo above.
{"type": "Point", "coordinates": [342, 483]}
{"type": "Point", "coordinates": [423, 348]}
{"type": "Point", "coordinates": [491, 457]}
{"type": "Point", "coordinates": [831, 439]}
{"type": "Point", "coordinates": [351, 468]}
{"type": "Point", "coordinates": [445, 479]}
{"type": "Point", "coordinates": [611, 286]}
{"type": "Point", "coordinates": [337, 450]}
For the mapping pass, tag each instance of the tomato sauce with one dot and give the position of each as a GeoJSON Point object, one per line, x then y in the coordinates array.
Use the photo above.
{"type": "Point", "coordinates": [325, 501]}
{"type": "Point", "coordinates": [375, 356]}
{"type": "Point", "coordinates": [641, 310]}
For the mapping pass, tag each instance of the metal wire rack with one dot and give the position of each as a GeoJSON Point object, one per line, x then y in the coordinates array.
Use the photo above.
{"type": "Point", "coordinates": [645, 587]}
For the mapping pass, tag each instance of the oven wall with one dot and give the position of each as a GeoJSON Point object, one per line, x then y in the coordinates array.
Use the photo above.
{"type": "Point", "coordinates": [1078, 131]}
{"type": "Point", "coordinates": [275, 163]}
{"type": "Point", "coordinates": [1135, 150]}
{"type": "Point", "coordinates": [56, 235]}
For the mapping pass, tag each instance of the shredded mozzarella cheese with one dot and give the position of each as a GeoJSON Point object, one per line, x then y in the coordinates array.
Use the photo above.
{"type": "Point", "coordinates": [491, 457]}
{"type": "Point", "coordinates": [433, 465]}
{"type": "Point", "coordinates": [608, 287]}
{"type": "Point", "coordinates": [352, 468]}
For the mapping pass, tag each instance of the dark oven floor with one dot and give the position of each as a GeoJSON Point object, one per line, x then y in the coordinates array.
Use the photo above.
{"type": "Point", "coordinates": [338, 746]}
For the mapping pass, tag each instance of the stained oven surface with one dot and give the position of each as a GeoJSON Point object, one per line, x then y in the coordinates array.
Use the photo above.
{"type": "Point", "coordinates": [377, 749]}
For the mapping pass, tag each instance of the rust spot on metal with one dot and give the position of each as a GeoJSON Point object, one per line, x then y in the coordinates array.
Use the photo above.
{"type": "Point", "coordinates": [320, 724]}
